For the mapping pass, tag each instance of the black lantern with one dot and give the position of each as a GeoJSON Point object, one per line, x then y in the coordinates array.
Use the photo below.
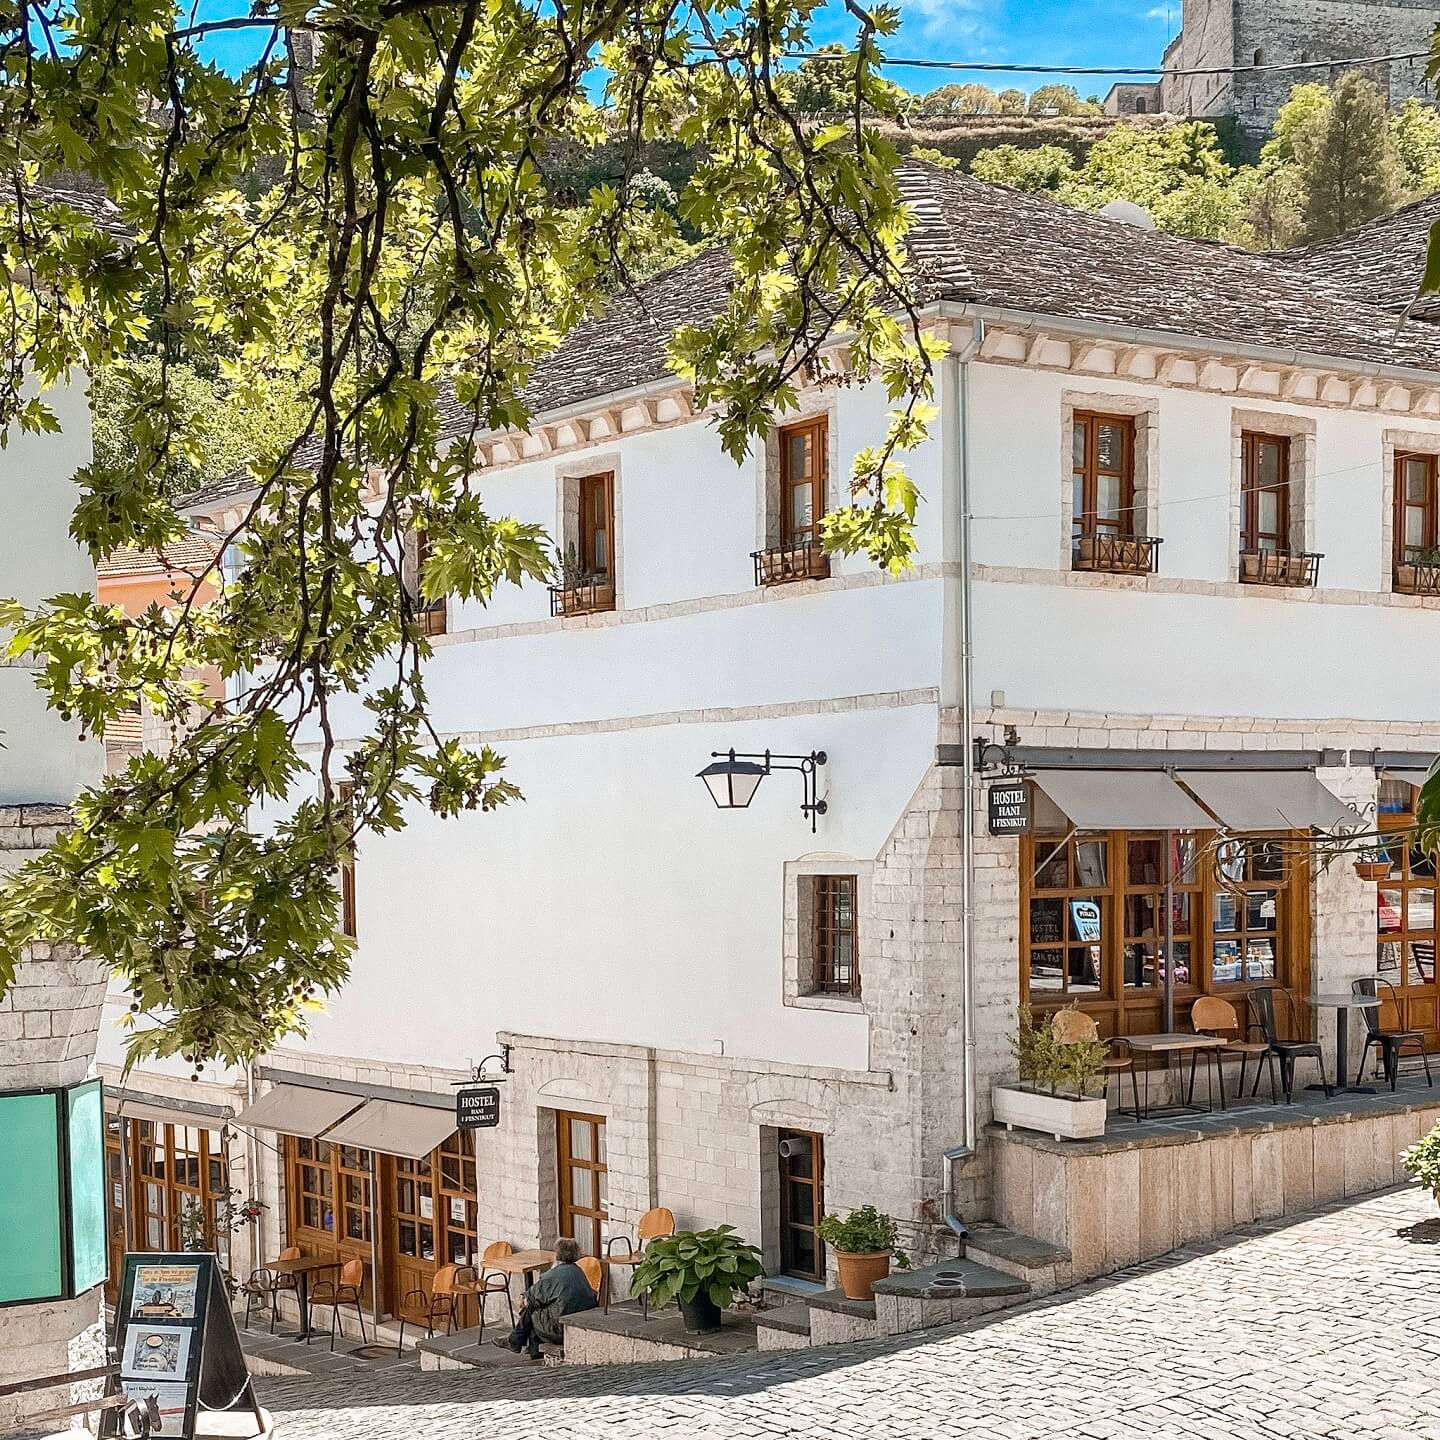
{"type": "Point", "coordinates": [732, 779]}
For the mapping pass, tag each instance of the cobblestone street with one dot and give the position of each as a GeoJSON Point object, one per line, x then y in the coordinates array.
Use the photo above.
{"type": "Point", "coordinates": [1325, 1326]}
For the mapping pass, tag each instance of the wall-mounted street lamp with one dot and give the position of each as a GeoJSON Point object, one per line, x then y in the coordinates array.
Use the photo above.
{"type": "Point", "coordinates": [732, 779]}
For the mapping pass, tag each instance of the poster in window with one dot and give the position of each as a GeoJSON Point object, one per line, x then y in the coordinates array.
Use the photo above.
{"type": "Point", "coordinates": [457, 1211]}
{"type": "Point", "coordinates": [165, 1292]}
{"type": "Point", "coordinates": [156, 1352]}
{"type": "Point", "coordinates": [170, 1401]}
{"type": "Point", "coordinates": [1085, 921]}
{"type": "Point", "coordinates": [427, 1208]}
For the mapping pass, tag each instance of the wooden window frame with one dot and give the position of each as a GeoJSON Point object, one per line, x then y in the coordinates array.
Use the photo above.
{"type": "Point", "coordinates": [345, 800]}
{"type": "Point", "coordinates": [323, 1158]}
{"type": "Point", "coordinates": [1252, 443]}
{"type": "Point", "coordinates": [1429, 507]}
{"type": "Point", "coordinates": [566, 1163]}
{"type": "Point", "coordinates": [587, 529]}
{"type": "Point", "coordinates": [818, 482]}
{"type": "Point", "coordinates": [1418, 996]}
{"type": "Point", "coordinates": [1125, 1009]}
{"type": "Point", "coordinates": [432, 616]}
{"type": "Point", "coordinates": [1086, 522]}
{"type": "Point", "coordinates": [828, 895]}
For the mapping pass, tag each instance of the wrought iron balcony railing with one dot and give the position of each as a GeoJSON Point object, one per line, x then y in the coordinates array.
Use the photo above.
{"type": "Point", "coordinates": [585, 596]}
{"type": "Point", "coordinates": [1116, 554]}
{"type": "Point", "coordinates": [1279, 567]}
{"type": "Point", "coordinates": [798, 559]}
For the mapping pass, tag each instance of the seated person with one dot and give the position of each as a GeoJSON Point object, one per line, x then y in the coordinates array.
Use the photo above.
{"type": "Point", "coordinates": [561, 1290]}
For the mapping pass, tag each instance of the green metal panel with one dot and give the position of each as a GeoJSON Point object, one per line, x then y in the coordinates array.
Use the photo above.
{"type": "Point", "coordinates": [87, 1186]}
{"type": "Point", "coordinates": [30, 1239]}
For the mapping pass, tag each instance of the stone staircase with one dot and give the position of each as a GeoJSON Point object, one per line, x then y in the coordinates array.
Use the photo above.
{"type": "Point", "coordinates": [1000, 1268]}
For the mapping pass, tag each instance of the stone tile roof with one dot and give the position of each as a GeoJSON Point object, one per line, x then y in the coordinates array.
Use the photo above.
{"type": "Point", "coordinates": [1379, 263]}
{"type": "Point", "coordinates": [190, 555]}
{"type": "Point", "coordinates": [989, 244]}
{"type": "Point", "coordinates": [1032, 254]}
{"type": "Point", "coordinates": [91, 203]}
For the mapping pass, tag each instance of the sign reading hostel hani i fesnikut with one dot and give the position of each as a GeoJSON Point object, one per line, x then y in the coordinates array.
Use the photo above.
{"type": "Point", "coordinates": [477, 1108]}
{"type": "Point", "coordinates": [1009, 807]}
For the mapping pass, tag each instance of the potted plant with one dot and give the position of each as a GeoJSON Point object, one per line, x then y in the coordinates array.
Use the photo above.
{"type": "Point", "coordinates": [1057, 1075]}
{"type": "Point", "coordinates": [1372, 863]}
{"type": "Point", "coordinates": [702, 1269]}
{"type": "Point", "coordinates": [863, 1243]}
{"type": "Point", "coordinates": [1422, 1161]}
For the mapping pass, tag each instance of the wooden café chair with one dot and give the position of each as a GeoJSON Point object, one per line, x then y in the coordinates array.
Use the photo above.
{"type": "Point", "coordinates": [653, 1225]}
{"type": "Point", "coordinates": [265, 1284]}
{"type": "Point", "coordinates": [1210, 1015]}
{"type": "Point", "coordinates": [494, 1282]}
{"type": "Point", "coordinates": [447, 1290]}
{"type": "Point", "coordinates": [344, 1290]}
{"type": "Point", "coordinates": [1073, 1027]}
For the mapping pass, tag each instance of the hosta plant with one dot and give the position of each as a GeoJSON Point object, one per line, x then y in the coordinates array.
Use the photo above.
{"type": "Point", "coordinates": [717, 1263]}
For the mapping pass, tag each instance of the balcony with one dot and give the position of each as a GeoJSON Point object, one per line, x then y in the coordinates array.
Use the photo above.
{"type": "Point", "coordinates": [431, 617]}
{"type": "Point", "coordinates": [798, 559]}
{"type": "Point", "coordinates": [587, 595]}
{"type": "Point", "coordinates": [1418, 573]}
{"type": "Point", "coordinates": [1293, 568]}
{"type": "Point", "coordinates": [1116, 554]}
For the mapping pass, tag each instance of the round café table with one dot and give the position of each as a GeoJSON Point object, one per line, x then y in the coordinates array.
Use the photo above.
{"type": "Point", "coordinates": [1342, 1002]}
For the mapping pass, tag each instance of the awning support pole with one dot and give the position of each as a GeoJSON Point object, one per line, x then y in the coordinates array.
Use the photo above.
{"type": "Point", "coordinates": [1169, 931]}
{"type": "Point", "coordinates": [375, 1230]}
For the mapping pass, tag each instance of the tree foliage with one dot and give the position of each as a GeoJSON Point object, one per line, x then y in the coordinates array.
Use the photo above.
{"type": "Point", "coordinates": [1346, 159]}
{"type": "Point", "coordinates": [375, 236]}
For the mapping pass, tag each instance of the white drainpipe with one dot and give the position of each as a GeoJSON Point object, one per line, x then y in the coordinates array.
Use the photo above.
{"type": "Point", "coordinates": [957, 685]}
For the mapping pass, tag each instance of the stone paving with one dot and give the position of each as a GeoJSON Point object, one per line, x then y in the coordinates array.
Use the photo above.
{"type": "Point", "coordinates": [1325, 1326]}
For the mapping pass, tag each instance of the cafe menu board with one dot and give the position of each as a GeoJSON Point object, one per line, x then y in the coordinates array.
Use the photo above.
{"type": "Point", "coordinates": [176, 1339]}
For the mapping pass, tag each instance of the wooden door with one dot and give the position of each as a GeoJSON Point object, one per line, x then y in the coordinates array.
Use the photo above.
{"type": "Point", "coordinates": [802, 1203]}
{"type": "Point", "coordinates": [580, 1145]}
{"type": "Point", "coordinates": [114, 1206]}
{"type": "Point", "coordinates": [410, 1255]}
{"type": "Point", "coordinates": [1405, 933]}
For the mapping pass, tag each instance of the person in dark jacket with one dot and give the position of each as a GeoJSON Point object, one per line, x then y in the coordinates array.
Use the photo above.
{"type": "Point", "coordinates": [561, 1290]}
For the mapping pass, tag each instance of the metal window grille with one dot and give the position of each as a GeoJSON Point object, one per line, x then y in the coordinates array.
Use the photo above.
{"type": "Point", "coordinates": [837, 955]}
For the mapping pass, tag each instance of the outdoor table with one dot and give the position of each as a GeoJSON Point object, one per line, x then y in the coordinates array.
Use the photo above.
{"type": "Point", "coordinates": [1176, 1043]}
{"type": "Point", "coordinates": [302, 1269]}
{"type": "Point", "coordinates": [1342, 1002]}
{"type": "Point", "coordinates": [528, 1263]}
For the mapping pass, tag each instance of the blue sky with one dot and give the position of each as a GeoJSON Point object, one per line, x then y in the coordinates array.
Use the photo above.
{"type": "Point", "coordinates": [1035, 32]}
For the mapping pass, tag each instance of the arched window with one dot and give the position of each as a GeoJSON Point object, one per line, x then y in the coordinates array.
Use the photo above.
{"type": "Point", "coordinates": [1259, 57]}
{"type": "Point", "coordinates": [1139, 104]}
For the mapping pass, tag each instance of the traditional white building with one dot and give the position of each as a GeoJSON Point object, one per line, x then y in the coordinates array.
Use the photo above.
{"type": "Point", "coordinates": [1163, 567]}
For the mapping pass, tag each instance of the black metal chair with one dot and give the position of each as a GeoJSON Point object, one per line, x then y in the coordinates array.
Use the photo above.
{"type": "Point", "coordinates": [260, 1286]}
{"type": "Point", "coordinates": [1390, 1044]}
{"type": "Point", "coordinates": [1287, 1052]}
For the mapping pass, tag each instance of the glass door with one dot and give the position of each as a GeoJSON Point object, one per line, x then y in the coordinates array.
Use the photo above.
{"type": "Point", "coordinates": [580, 1143]}
{"type": "Point", "coordinates": [802, 1203]}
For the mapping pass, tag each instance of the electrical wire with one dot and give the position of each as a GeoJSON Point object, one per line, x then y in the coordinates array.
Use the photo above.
{"type": "Point", "coordinates": [1007, 68]}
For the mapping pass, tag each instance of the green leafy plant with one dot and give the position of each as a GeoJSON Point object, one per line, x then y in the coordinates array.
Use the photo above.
{"type": "Point", "coordinates": [1052, 1064]}
{"type": "Point", "coordinates": [1078, 1065]}
{"type": "Point", "coordinates": [865, 1231]}
{"type": "Point", "coordinates": [682, 1265]}
{"type": "Point", "coordinates": [1034, 1047]}
{"type": "Point", "coordinates": [1422, 1161]}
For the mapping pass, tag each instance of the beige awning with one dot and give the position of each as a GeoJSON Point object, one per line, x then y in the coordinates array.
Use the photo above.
{"type": "Point", "coordinates": [1121, 800]}
{"type": "Point", "coordinates": [1269, 799]}
{"type": "Point", "coordinates": [132, 1108]}
{"type": "Point", "coordinates": [394, 1128]}
{"type": "Point", "coordinates": [298, 1110]}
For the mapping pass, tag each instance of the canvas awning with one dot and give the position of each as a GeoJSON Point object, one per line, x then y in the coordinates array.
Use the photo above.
{"type": "Point", "coordinates": [394, 1128]}
{"type": "Point", "coordinates": [132, 1107]}
{"type": "Point", "coordinates": [1121, 800]}
{"type": "Point", "coordinates": [298, 1110]}
{"type": "Point", "coordinates": [1269, 799]}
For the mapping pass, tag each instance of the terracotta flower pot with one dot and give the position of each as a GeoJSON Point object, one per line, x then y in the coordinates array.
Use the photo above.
{"type": "Point", "coordinates": [1372, 869]}
{"type": "Point", "coordinates": [858, 1273]}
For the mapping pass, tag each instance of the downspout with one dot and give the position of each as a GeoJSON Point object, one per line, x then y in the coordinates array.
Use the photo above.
{"type": "Point", "coordinates": [956, 401]}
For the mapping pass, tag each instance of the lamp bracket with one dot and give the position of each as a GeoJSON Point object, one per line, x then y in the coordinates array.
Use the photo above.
{"type": "Point", "coordinates": [807, 765]}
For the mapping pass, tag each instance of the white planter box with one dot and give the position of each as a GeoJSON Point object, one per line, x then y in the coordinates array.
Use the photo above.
{"type": "Point", "coordinates": [1058, 1115]}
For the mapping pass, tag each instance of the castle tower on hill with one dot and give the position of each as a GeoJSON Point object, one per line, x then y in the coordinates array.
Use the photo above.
{"type": "Point", "coordinates": [1220, 33]}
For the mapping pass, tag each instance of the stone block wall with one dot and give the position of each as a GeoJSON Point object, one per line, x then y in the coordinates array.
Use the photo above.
{"type": "Point", "coordinates": [49, 1021]}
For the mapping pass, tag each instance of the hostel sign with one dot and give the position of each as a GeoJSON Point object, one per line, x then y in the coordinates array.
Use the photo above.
{"type": "Point", "coordinates": [1009, 806]}
{"type": "Point", "coordinates": [477, 1109]}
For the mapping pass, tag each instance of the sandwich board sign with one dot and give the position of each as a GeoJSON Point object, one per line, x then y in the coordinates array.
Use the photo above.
{"type": "Point", "coordinates": [176, 1339]}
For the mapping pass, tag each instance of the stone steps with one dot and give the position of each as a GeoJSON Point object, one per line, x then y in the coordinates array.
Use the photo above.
{"type": "Point", "coordinates": [944, 1293]}
{"type": "Point", "coordinates": [787, 1327]}
{"type": "Point", "coordinates": [1043, 1266]}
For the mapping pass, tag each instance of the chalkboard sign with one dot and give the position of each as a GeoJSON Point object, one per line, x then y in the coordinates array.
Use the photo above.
{"type": "Point", "coordinates": [477, 1109]}
{"type": "Point", "coordinates": [1009, 807]}
{"type": "Point", "coordinates": [176, 1339]}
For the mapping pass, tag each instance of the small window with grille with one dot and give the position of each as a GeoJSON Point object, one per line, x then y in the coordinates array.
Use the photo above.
{"type": "Point", "coordinates": [835, 954]}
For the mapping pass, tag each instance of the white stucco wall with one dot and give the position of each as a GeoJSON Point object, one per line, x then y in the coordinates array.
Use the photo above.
{"type": "Point", "coordinates": [42, 759]}
{"type": "Point", "coordinates": [1188, 641]}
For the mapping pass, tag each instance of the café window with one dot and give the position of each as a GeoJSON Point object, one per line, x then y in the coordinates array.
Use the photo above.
{"type": "Point", "coordinates": [1094, 928]}
{"type": "Point", "coordinates": [1405, 918]}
